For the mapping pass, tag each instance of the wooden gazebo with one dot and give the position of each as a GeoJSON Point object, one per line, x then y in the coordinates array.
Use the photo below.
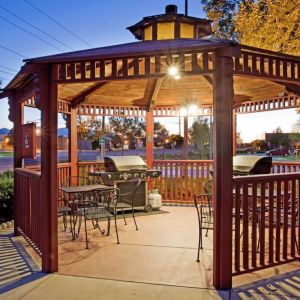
{"type": "Point", "coordinates": [220, 76]}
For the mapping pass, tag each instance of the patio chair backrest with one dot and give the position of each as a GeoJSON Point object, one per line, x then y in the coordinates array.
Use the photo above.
{"type": "Point", "coordinates": [129, 197]}
{"type": "Point", "coordinates": [208, 186]}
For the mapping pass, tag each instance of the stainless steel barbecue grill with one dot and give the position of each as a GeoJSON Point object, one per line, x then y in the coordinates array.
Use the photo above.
{"type": "Point", "coordinates": [250, 165]}
{"type": "Point", "coordinates": [121, 170]}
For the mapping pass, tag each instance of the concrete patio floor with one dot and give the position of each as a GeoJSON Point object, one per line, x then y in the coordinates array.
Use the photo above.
{"type": "Point", "coordinates": [155, 262]}
{"type": "Point", "coordinates": [162, 251]}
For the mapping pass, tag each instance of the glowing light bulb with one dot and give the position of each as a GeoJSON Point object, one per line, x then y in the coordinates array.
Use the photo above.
{"type": "Point", "coordinates": [192, 109]}
{"type": "Point", "coordinates": [173, 71]}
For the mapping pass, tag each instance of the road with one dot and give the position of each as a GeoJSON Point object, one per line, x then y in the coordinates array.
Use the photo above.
{"type": "Point", "coordinates": [6, 162]}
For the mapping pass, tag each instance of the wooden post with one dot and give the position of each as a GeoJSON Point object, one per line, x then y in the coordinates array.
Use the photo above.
{"type": "Point", "coordinates": [233, 133]}
{"type": "Point", "coordinates": [73, 141]}
{"type": "Point", "coordinates": [48, 100]}
{"type": "Point", "coordinates": [222, 111]}
{"type": "Point", "coordinates": [185, 137]}
{"type": "Point", "coordinates": [17, 116]}
{"type": "Point", "coordinates": [149, 138]}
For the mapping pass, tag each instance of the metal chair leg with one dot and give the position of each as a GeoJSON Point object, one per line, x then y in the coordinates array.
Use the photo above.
{"type": "Point", "coordinates": [86, 235]}
{"type": "Point", "coordinates": [65, 221]}
{"type": "Point", "coordinates": [136, 228]}
{"type": "Point", "coordinates": [124, 216]}
{"type": "Point", "coordinates": [108, 226]}
{"type": "Point", "coordinates": [199, 244]}
{"type": "Point", "coordinates": [118, 242]}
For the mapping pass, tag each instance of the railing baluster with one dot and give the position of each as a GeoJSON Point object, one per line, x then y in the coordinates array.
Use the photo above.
{"type": "Point", "coordinates": [262, 224]}
{"type": "Point", "coordinates": [285, 218]}
{"type": "Point", "coordinates": [237, 225]}
{"type": "Point", "coordinates": [271, 222]}
{"type": "Point", "coordinates": [245, 227]}
{"type": "Point", "coordinates": [254, 226]}
{"type": "Point", "coordinates": [278, 219]}
{"type": "Point", "coordinates": [292, 213]}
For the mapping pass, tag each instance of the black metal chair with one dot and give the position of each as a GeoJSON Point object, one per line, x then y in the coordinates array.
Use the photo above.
{"type": "Point", "coordinates": [127, 200]}
{"type": "Point", "coordinates": [97, 205]}
{"type": "Point", "coordinates": [205, 213]}
{"type": "Point", "coordinates": [64, 207]}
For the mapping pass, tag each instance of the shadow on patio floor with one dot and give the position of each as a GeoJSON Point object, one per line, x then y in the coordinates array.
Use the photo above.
{"type": "Point", "coordinates": [285, 286]}
{"type": "Point", "coordinates": [17, 268]}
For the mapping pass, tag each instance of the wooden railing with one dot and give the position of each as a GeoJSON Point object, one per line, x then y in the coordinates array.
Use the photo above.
{"type": "Point", "coordinates": [83, 169]}
{"type": "Point", "coordinates": [181, 179]}
{"type": "Point", "coordinates": [266, 228]}
{"type": "Point", "coordinates": [63, 172]}
{"type": "Point", "coordinates": [280, 167]}
{"type": "Point", "coordinates": [28, 207]}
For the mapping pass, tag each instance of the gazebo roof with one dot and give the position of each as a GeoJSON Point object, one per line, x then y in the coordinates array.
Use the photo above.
{"type": "Point", "coordinates": [258, 73]}
{"type": "Point", "coordinates": [135, 49]}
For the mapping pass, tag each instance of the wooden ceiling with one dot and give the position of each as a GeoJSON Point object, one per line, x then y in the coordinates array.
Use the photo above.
{"type": "Point", "coordinates": [188, 89]}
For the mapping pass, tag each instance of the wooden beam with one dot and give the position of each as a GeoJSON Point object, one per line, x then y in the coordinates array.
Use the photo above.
{"type": "Point", "coordinates": [293, 88]}
{"type": "Point", "coordinates": [151, 92]}
{"type": "Point", "coordinates": [81, 97]}
{"type": "Point", "coordinates": [222, 111]}
{"type": "Point", "coordinates": [149, 138]}
{"type": "Point", "coordinates": [48, 96]}
{"type": "Point", "coordinates": [25, 92]}
{"type": "Point", "coordinates": [17, 117]}
{"type": "Point", "coordinates": [234, 145]}
{"type": "Point", "coordinates": [72, 126]}
{"type": "Point", "coordinates": [5, 94]}
{"type": "Point", "coordinates": [185, 137]}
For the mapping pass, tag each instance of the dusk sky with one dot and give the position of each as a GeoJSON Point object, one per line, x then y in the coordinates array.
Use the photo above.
{"type": "Point", "coordinates": [95, 23]}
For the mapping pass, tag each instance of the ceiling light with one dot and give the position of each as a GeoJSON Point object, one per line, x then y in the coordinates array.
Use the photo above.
{"type": "Point", "coordinates": [173, 71]}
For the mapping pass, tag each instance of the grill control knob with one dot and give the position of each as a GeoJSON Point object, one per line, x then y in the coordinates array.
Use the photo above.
{"type": "Point", "coordinates": [154, 174]}
{"type": "Point", "coordinates": [129, 176]}
{"type": "Point", "coordinates": [136, 175]}
{"type": "Point", "coordinates": [108, 177]}
{"type": "Point", "coordinates": [143, 175]}
{"type": "Point", "coordinates": [121, 176]}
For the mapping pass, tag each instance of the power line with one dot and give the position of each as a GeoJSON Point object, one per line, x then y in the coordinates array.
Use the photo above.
{"type": "Point", "coordinates": [57, 23]}
{"type": "Point", "coordinates": [10, 69]}
{"type": "Point", "coordinates": [12, 51]}
{"type": "Point", "coordinates": [5, 72]}
{"type": "Point", "coordinates": [35, 27]}
{"type": "Point", "coordinates": [32, 34]}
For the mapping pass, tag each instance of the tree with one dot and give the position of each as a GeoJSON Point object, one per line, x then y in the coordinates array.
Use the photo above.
{"type": "Point", "coordinates": [259, 144]}
{"type": "Point", "coordinates": [269, 24]}
{"type": "Point", "coordinates": [296, 126]}
{"type": "Point", "coordinates": [277, 130]}
{"type": "Point", "coordinates": [176, 139]}
{"type": "Point", "coordinates": [160, 134]}
{"type": "Point", "coordinates": [91, 129]}
{"type": "Point", "coordinates": [126, 129]}
{"type": "Point", "coordinates": [200, 134]}
{"type": "Point", "coordinates": [222, 13]}
{"type": "Point", "coordinates": [238, 138]}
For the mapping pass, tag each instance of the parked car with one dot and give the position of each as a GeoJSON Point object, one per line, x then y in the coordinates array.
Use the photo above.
{"type": "Point", "coordinates": [278, 151]}
{"type": "Point", "coordinates": [296, 152]}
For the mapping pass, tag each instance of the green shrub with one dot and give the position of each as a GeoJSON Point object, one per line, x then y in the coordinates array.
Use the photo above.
{"type": "Point", "coordinates": [6, 195]}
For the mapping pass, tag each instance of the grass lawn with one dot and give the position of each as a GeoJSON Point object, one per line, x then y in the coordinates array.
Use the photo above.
{"type": "Point", "coordinates": [4, 154]}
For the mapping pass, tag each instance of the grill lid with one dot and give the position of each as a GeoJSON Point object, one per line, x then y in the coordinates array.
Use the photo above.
{"type": "Point", "coordinates": [252, 164]}
{"type": "Point", "coordinates": [124, 163]}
